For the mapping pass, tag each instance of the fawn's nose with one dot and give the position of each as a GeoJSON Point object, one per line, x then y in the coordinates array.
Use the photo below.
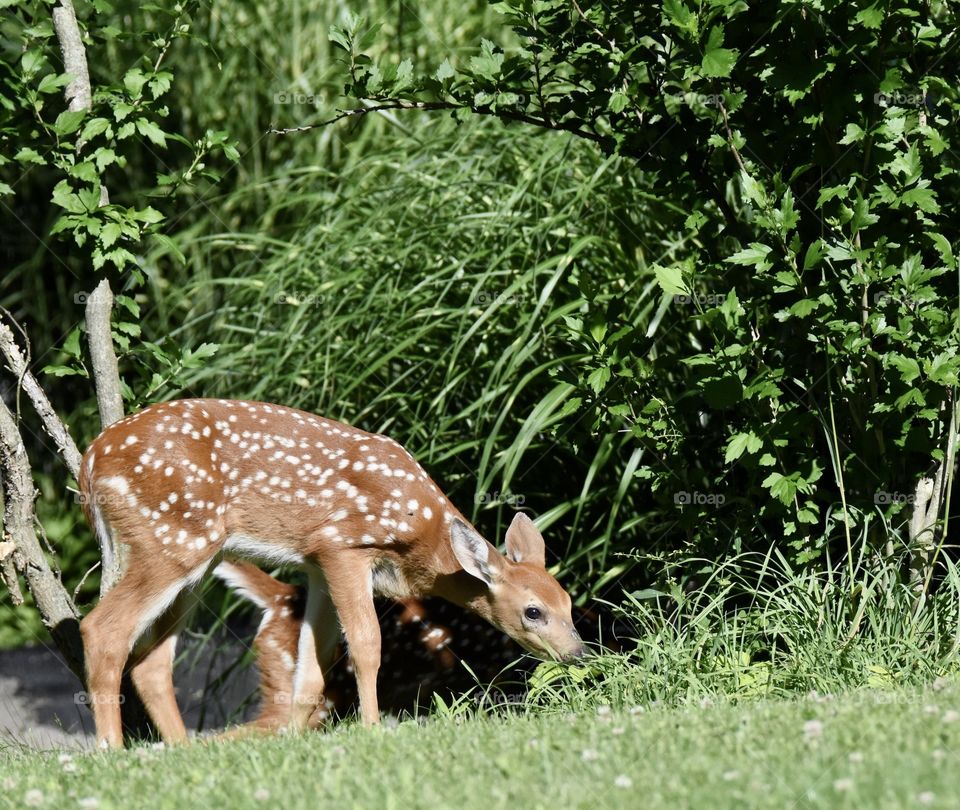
{"type": "Point", "coordinates": [578, 650]}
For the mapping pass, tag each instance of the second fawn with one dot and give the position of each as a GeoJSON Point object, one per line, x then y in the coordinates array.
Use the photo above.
{"type": "Point", "coordinates": [187, 482]}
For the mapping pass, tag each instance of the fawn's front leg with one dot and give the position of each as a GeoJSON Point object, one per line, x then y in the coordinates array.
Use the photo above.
{"type": "Point", "coordinates": [351, 588]}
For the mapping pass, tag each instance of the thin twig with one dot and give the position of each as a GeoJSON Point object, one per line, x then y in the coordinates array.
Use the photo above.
{"type": "Point", "coordinates": [18, 363]}
{"type": "Point", "coordinates": [506, 115]}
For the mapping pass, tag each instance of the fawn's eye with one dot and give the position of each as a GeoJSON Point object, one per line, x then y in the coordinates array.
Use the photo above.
{"type": "Point", "coordinates": [533, 613]}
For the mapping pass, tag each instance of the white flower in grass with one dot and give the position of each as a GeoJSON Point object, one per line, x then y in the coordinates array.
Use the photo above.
{"type": "Point", "coordinates": [939, 755]}
{"type": "Point", "coordinates": [855, 757]}
{"type": "Point", "coordinates": [64, 758]}
{"type": "Point", "coordinates": [931, 709]}
{"type": "Point", "coordinates": [603, 711]}
{"type": "Point", "coordinates": [589, 755]}
{"type": "Point", "coordinates": [635, 710]}
{"type": "Point", "coordinates": [843, 785]}
{"type": "Point", "coordinates": [939, 683]}
{"type": "Point", "coordinates": [927, 797]}
{"type": "Point", "coordinates": [813, 730]}
{"type": "Point", "coordinates": [70, 767]}
{"type": "Point", "coordinates": [534, 743]}
{"type": "Point", "coordinates": [261, 795]}
{"type": "Point", "coordinates": [729, 776]}
{"type": "Point", "coordinates": [623, 781]}
{"type": "Point", "coordinates": [9, 783]}
{"type": "Point", "coordinates": [33, 798]}
{"type": "Point", "coordinates": [950, 716]}
{"type": "Point", "coordinates": [89, 803]}
{"type": "Point", "coordinates": [617, 730]}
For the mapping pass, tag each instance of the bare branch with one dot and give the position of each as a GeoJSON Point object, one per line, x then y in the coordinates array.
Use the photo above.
{"type": "Point", "coordinates": [106, 372]}
{"type": "Point", "coordinates": [59, 613]}
{"type": "Point", "coordinates": [52, 423]}
{"type": "Point", "coordinates": [78, 93]}
{"type": "Point", "coordinates": [8, 572]}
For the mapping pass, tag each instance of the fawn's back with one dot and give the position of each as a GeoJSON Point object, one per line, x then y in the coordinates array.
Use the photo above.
{"type": "Point", "coordinates": [189, 478]}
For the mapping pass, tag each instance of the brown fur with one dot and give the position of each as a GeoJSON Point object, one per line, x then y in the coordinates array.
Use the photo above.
{"type": "Point", "coordinates": [183, 483]}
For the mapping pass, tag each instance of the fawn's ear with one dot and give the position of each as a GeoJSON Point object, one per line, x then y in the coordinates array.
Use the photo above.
{"type": "Point", "coordinates": [524, 541]}
{"type": "Point", "coordinates": [475, 554]}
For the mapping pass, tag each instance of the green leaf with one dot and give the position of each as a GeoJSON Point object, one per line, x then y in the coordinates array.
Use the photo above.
{"type": "Point", "coordinates": [150, 130]}
{"type": "Point", "coordinates": [148, 215]}
{"type": "Point", "coordinates": [68, 122]}
{"type": "Point", "coordinates": [133, 81]}
{"type": "Point", "coordinates": [65, 197]}
{"type": "Point", "coordinates": [676, 13]}
{"type": "Point", "coordinates": [618, 101]}
{"type": "Point", "coordinates": [942, 369]}
{"type": "Point", "coordinates": [781, 487]}
{"type": "Point", "coordinates": [862, 217]}
{"type": "Point", "coordinates": [109, 234]}
{"type": "Point", "coordinates": [753, 256]}
{"type": "Point", "coordinates": [599, 378]}
{"type": "Point", "coordinates": [804, 307]}
{"type": "Point", "coordinates": [671, 280]}
{"type": "Point", "coordinates": [62, 371]}
{"type": "Point", "coordinates": [71, 345]}
{"type": "Point", "coordinates": [814, 254]}
{"type": "Point", "coordinates": [908, 367]}
{"type": "Point", "coordinates": [94, 127]}
{"type": "Point", "coordinates": [853, 134]}
{"type": "Point", "coordinates": [489, 64]}
{"type": "Point", "coordinates": [717, 62]}
{"type": "Point", "coordinates": [28, 155]}
{"type": "Point", "coordinates": [741, 443]}
{"type": "Point", "coordinates": [339, 36]}
{"type": "Point", "coordinates": [193, 358]}
{"type": "Point", "coordinates": [870, 17]}
{"type": "Point", "coordinates": [445, 71]}
{"type": "Point", "coordinates": [922, 198]}
{"type": "Point", "coordinates": [52, 82]}
{"type": "Point", "coordinates": [943, 247]}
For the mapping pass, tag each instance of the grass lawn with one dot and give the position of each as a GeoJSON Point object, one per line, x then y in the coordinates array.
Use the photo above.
{"type": "Point", "coordinates": [865, 749]}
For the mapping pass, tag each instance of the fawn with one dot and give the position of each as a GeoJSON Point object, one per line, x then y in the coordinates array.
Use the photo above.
{"type": "Point", "coordinates": [188, 482]}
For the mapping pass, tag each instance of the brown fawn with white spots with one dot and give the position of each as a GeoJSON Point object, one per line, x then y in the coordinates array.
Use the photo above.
{"type": "Point", "coordinates": [186, 483]}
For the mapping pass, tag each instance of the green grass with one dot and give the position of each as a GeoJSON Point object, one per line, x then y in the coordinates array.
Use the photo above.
{"type": "Point", "coordinates": [868, 749]}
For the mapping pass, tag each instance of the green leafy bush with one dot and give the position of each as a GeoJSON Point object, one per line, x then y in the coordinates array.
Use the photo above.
{"type": "Point", "coordinates": [799, 375]}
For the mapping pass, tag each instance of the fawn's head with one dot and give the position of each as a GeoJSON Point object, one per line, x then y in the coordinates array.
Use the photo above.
{"type": "Point", "coordinates": [519, 595]}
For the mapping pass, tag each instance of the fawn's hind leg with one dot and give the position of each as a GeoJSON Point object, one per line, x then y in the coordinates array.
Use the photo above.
{"type": "Point", "coordinates": [152, 674]}
{"type": "Point", "coordinates": [110, 630]}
